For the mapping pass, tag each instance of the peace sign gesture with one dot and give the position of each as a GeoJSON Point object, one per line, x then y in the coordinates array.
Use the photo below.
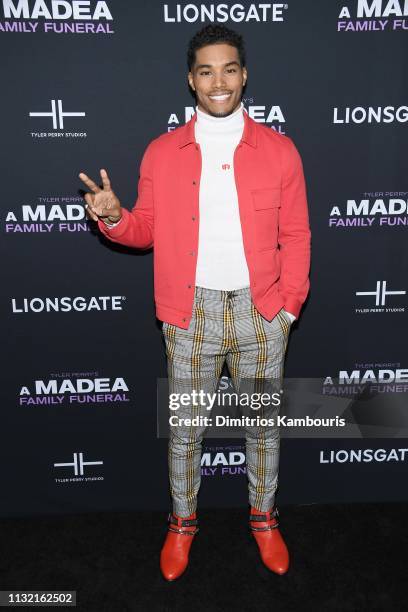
{"type": "Point", "coordinates": [101, 202]}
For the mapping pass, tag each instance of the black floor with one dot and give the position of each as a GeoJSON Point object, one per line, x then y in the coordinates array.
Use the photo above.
{"type": "Point", "coordinates": [343, 557]}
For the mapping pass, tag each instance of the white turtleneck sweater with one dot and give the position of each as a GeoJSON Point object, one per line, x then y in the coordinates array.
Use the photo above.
{"type": "Point", "coordinates": [221, 262]}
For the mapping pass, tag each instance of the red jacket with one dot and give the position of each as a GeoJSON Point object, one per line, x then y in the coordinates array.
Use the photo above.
{"type": "Point", "coordinates": [272, 207]}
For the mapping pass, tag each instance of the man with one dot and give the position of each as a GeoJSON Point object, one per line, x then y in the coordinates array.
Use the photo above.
{"type": "Point", "coordinates": [222, 201]}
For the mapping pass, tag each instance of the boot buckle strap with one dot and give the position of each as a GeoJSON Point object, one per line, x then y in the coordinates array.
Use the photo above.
{"type": "Point", "coordinates": [183, 532]}
{"type": "Point", "coordinates": [184, 522]}
{"type": "Point", "coordinates": [267, 528]}
{"type": "Point", "coordinates": [262, 518]}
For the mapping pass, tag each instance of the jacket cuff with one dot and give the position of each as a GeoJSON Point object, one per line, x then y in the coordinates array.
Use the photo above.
{"type": "Point", "coordinates": [292, 306]}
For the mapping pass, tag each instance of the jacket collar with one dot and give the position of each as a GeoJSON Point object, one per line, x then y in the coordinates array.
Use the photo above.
{"type": "Point", "coordinates": [187, 135]}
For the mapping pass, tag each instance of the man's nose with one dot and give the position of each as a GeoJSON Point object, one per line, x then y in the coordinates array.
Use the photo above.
{"type": "Point", "coordinates": [219, 80]}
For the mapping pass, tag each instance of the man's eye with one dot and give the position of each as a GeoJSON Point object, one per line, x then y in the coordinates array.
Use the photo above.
{"type": "Point", "coordinates": [208, 72]}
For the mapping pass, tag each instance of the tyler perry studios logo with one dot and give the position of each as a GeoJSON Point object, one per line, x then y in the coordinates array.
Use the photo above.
{"type": "Point", "coordinates": [56, 17]}
{"type": "Point", "coordinates": [373, 16]}
{"type": "Point", "coordinates": [381, 298]}
{"type": "Point", "coordinates": [270, 115]}
{"type": "Point", "coordinates": [374, 209]}
{"type": "Point", "coordinates": [50, 214]}
{"type": "Point", "coordinates": [73, 388]}
{"type": "Point", "coordinates": [223, 12]}
{"type": "Point", "coordinates": [54, 117]}
{"type": "Point", "coordinates": [77, 470]}
{"type": "Point", "coordinates": [223, 461]}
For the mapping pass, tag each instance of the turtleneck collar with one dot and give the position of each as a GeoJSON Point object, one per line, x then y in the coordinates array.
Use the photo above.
{"type": "Point", "coordinates": [209, 123]}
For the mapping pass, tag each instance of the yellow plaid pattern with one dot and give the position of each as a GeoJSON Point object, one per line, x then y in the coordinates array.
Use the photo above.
{"type": "Point", "coordinates": [225, 327]}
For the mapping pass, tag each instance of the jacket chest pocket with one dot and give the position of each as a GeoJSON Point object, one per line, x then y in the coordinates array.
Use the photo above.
{"type": "Point", "coordinates": [266, 203]}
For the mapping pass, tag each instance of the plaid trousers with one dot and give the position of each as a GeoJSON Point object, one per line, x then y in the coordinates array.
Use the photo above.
{"type": "Point", "coordinates": [225, 326]}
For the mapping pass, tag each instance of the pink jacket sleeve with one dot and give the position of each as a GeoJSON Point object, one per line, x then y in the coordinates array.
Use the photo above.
{"type": "Point", "coordinates": [294, 235]}
{"type": "Point", "coordinates": [136, 228]}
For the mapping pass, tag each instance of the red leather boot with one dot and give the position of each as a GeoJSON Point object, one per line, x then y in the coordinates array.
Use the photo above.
{"type": "Point", "coordinates": [176, 548]}
{"type": "Point", "coordinates": [273, 550]}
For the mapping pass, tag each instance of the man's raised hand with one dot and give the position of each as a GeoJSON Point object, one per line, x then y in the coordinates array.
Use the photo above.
{"type": "Point", "coordinates": [101, 202]}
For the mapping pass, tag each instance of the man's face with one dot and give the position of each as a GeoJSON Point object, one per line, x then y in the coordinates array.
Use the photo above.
{"type": "Point", "coordinates": [217, 79]}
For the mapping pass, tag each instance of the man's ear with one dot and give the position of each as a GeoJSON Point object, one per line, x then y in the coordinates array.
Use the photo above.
{"type": "Point", "coordinates": [190, 80]}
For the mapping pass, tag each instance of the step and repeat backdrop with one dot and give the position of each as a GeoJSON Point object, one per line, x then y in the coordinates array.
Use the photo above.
{"type": "Point", "coordinates": [87, 85]}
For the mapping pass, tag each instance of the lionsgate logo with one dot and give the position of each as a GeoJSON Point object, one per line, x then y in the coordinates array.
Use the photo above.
{"type": "Point", "coordinates": [383, 377]}
{"type": "Point", "coordinates": [374, 209]}
{"type": "Point", "coordinates": [55, 116]}
{"type": "Point", "coordinates": [373, 16]}
{"type": "Point", "coordinates": [270, 115]}
{"type": "Point", "coordinates": [78, 469]}
{"type": "Point", "coordinates": [223, 12]}
{"type": "Point", "coordinates": [73, 388]}
{"type": "Point", "coordinates": [223, 461]}
{"type": "Point", "coordinates": [49, 214]}
{"type": "Point", "coordinates": [359, 115]}
{"type": "Point", "coordinates": [363, 455]}
{"type": "Point", "coordinates": [56, 17]}
{"type": "Point", "coordinates": [67, 304]}
{"type": "Point", "coordinates": [382, 299]}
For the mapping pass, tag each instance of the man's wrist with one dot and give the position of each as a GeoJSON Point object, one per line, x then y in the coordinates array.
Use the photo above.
{"type": "Point", "coordinates": [109, 221]}
{"type": "Point", "coordinates": [115, 220]}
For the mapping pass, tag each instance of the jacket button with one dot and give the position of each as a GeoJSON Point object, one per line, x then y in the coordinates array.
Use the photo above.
{"type": "Point", "coordinates": [189, 286]}
{"type": "Point", "coordinates": [193, 218]}
{"type": "Point", "coordinates": [194, 182]}
{"type": "Point", "coordinates": [184, 318]}
{"type": "Point", "coordinates": [192, 253]}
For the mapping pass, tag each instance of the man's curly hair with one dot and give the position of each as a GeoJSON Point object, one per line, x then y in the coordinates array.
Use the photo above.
{"type": "Point", "coordinates": [213, 34]}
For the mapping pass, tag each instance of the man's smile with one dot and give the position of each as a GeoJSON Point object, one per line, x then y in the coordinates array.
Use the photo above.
{"type": "Point", "coordinates": [220, 97]}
